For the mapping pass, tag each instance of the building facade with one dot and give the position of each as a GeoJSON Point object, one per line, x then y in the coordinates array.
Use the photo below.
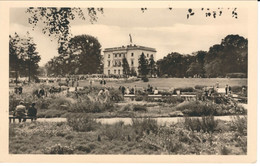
{"type": "Point", "coordinates": [113, 58]}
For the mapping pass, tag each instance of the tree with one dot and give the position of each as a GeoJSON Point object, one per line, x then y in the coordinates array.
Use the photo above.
{"type": "Point", "coordinates": [143, 66]}
{"type": "Point", "coordinates": [126, 68]}
{"type": "Point", "coordinates": [85, 54]}
{"type": "Point", "coordinates": [152, 66]}
{"type": "Point", "coordinates": [231, 56]}
{"type": "Point", "coordinates": [82, 57]}
{"type": "Point", "coordinates": [23, 57]}
{"type": "Point", "coordinates": [195, 69]}
{"type": "Point", "coordinates": [174, 65]}
{"type": "Point", "coordinates": [57, 21]}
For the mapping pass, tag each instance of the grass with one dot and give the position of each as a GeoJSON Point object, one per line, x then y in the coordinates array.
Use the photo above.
{"type": "Point", "coordinates": [143, 136]}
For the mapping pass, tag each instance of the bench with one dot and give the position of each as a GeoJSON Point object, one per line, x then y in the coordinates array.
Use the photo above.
{"type": "Point", "coordinates": [11, 117]}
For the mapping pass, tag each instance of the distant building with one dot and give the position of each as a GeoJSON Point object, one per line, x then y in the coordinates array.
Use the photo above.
{"type": "Point", "coordinates": [113, 58]}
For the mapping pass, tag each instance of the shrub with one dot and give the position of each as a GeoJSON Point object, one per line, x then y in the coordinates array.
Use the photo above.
{"type": "Point", "coordinates": [115, 95]}
{"type": "Point", "coordinates": [44, 103]}
{"type": "Point", "coordinates": [139, 98]}
{"type": "Point", "coordinates": [145, 79]}
{"type": "Point", "coordinates": [58, 103]}
{"type": "Point", "coordinates": [91, 107]}
{"type": "Point", "coordinates": [116, 131]}
{"type": "Point", "coordinates": [144, 125]}
{"type": "Point", "coordinates": [81, 122]}
{"type": "Point", "coordinates": [199, 87]}
{"type": "Point", "coordinates": [236, 89]}
{"type": "Point", "coordinates": [239, 124]}
{"type": "Point", "coordinates": [138, 108]}
{"type": "Point", "coordinates": [126, 108]}
{"type": "Point", "coordinates": [186, 89]}
{"type": "Point", "coordinates": [206, 124]}
{"type": "Point", "coordinates": [59, 149]}
{"type": "Point", "coordinates": [198, 109]}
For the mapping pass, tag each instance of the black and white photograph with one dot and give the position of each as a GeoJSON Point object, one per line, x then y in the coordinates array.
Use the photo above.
{"type": "Point", "coordinates": [129, 79]}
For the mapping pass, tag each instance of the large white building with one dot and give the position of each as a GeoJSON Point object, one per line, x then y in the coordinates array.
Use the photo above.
{"type": "Point", "coordinates": [113, 58]}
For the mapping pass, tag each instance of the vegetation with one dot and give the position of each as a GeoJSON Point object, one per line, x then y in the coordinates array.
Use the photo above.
{"type": "Point", "coordinates": [143, 136]}
{"type": "Point", "coordinates": [82, 57]}
{"type": "Point", "coordinates": [23, 56]}
{"type": "Point", "coordinates": [227, 59]}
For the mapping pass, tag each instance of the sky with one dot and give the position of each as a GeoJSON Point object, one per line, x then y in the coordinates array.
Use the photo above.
{"type": "Point", "coordinates": [160, 28]}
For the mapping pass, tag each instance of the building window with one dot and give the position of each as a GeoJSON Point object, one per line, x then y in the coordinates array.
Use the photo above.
{"type": "Point", "coordinates": [115, 63]}
{"type": "Point", "coordinates": [152, 55]}
{"type": "Point", "coordinates": [132, 62]}
{"type": "Point", "coordinates": [119, 71]}
{"type": "Point", "coordinates": [115, 55]}
{"type": "Point", "coordinates": [114, 71]}
{"type": "Point", "coordinates": [108, 72]}
{"type": "Point", "coordinates": [147, 55]}
{"type": "Point", "coordinates": [132, 54]}
{"type": "Point", "coordinates": [108, 63]}
{"type": "Point", "coordinates": [108, 55]}
{"type": "Point", "coordinates": [120, 55]}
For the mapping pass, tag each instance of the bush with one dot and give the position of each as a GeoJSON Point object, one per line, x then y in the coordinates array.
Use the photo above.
{"type": "Point", "coordinates": [139, 98]}
{"type": "Point", "coordinates": [198, 109]}
{"type": "Point", "coordinates": [91, 107]}
{"type": "Point", "coordinates": [236, 89]}
{"type": "Point", "coordinates": [81, 122]}
{"type": "Point", "coordinates": [44, 103]}
{"type": "Point", "coordinates": [138, 108]}
{"type": "Point", "coordinates": [58, 103]}
{"type": "Point", "coordinates": [199, 87]}
{"type": "Point", "coordinates": [144, 125]}
{"type": "Point", "coordinates": [239, 124]}
{"type": "Point", "coordinates": [115, 95]}
{"type": "Point", "coordinates": [145, 79]}
{"type": "Point", "coordinates": [59, 149]}
{"type": "Point", "coordinates": [186, 89]}
{"type": "Point", "coordinates": [116, 131]}
{"type": "Point", "coordinates": [206, 124]}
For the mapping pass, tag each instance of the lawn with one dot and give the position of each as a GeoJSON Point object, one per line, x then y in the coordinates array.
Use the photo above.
{"type": "Point", "coordinates": [166, 83]}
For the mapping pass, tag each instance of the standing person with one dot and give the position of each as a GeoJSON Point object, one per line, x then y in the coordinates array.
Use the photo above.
{"type": "Point", "coordinates": [101, 82]}
{"type": "Point", "coordinates": [20, 89]}
{"type": "Point", "coordinates": [229, 89]}
{"type": "Point", "coordinates": [100, 95]}
{"type": "Point", "coordinates": [226, 89]}
{"type": "Point", "coordinates": [104, 82]}
{"type": "Point", "coordinates": [107, 95]}
{"type": "Point", "coordinates": [20, 111]}
{"type": "Point", "coordinates": [127, 90]}
{"type": "Point", "coordinates": [32, 111]}
{"type": "Point", "coordinates": [123, 90]}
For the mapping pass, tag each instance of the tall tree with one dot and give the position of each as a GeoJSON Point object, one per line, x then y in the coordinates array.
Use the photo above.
{"type": "Point", "coordinates": [126, 68]}
{"type": "Point", "coordinates": [23, 57]}
{"type": "Point", "coordinates": [143, 66]}
{"type": "Point", "coordinates": [152, 66]}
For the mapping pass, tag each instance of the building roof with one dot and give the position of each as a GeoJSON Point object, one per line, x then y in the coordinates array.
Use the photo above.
{"type": "Point", "coordinates": [130, 47]}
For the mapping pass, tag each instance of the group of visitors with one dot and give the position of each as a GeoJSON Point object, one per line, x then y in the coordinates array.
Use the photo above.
{"type": "Point", "coordinates": [127, 90]}
{"type": "Point", "coordinates": [73, 81]}
{"type": "Point", "coordinates": [21, 112]}
{"type": "Point", "coordinates": [103, 95]}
